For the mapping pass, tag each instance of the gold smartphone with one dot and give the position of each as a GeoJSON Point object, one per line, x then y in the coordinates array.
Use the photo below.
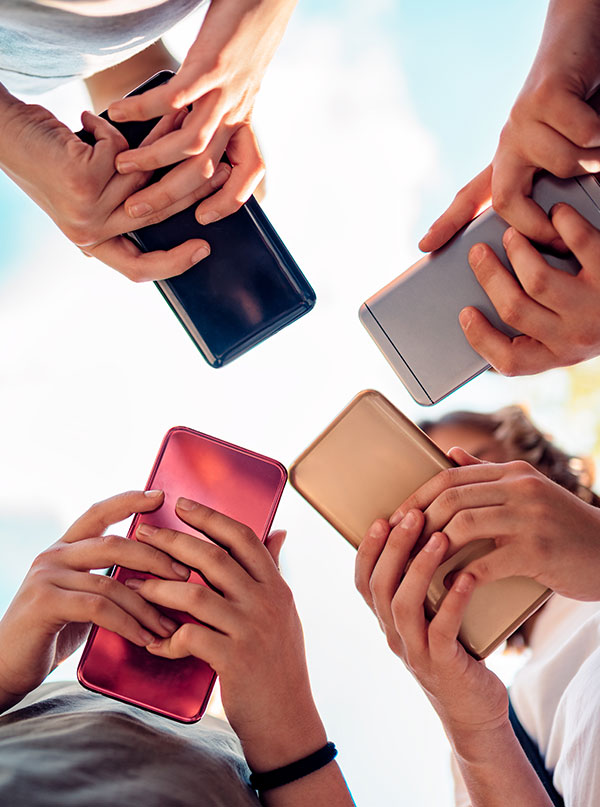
{"type": "Point", "coordinates": [362, 467]}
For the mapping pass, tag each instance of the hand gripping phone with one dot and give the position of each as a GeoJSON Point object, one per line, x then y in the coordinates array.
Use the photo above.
{"type": "Point", "coordinates": [239, 483]}
{"type": "Point", "coordinates": [246, 290]}
{"type": "Point", "coordinates": [362, 467]}
{"type": "Point", "coordinates": [414, 319]}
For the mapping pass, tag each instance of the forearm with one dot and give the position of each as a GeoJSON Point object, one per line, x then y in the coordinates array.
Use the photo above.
{"type": "Point", "coordinates": [495, 769]}
{"type": "Point", "coordinates": [114, 83]}
{"type": "Point", "coordinates": [570, 43]}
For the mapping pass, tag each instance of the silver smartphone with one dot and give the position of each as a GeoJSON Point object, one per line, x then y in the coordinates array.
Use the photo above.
{"type": "Point", "coordinates": [414, 319]}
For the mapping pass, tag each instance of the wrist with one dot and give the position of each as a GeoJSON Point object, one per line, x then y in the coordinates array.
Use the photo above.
{"type": "Point", "coordinates": [284, 740]}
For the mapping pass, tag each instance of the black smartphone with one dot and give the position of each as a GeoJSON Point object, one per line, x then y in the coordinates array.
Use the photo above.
{"type": "Point", "coordinates": [246, 290]}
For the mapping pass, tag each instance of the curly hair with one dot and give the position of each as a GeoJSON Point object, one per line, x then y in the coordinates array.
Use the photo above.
{"type": "Point", "coordinates": [519, 439]}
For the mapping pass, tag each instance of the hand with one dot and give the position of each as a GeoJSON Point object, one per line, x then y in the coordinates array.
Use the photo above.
{"type": "Point", "coordinates": [540, 529]}
{"type": "Point", "coordinates": [77, 186]}
{"type": "Point", "coordinates": [51, 613]}
{"type": "Point", "coordinates": [219, 78]}
{"type": "Point", "coordinates": [557, 313]}
{"type": "Point", "coordinates": [470, 700]}
{"type": "Point", "coordinates": [250, 633]}
{"type": "Point", "coordinates": [463, 692]}
{"type": "Point", "coordinates": [550, 126]}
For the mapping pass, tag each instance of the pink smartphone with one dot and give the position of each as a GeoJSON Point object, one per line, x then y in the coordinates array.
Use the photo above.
{"type": "Point", "coordinates": [239, 483]}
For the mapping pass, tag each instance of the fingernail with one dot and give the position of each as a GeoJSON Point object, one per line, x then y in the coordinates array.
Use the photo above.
{"type": "Point", "coordinates": [427, 234]}
{"type": "Point", "coordinates": [186, 504]}
{"type": "Point", "coordinates": [146, 530]}
{"type": "Point", "coordinates": [409, 521]}
{"type": "Point", "coordinates": [168, 624]}
{"type": "Point", "coordinates": [200, 254]}
{"type": "Point", "coordinates": [376, 530]}
{"type": "Point", "coordinates": [116, 115]}
{"type": "Point", "coordinates": [127, 168]}
{"type": "Point", "coordinates": [396, 518]}
{"type": "Point", "coordinates": [208, 217]}
{"type": "Point", "coordinates": [476, 254]}
{"type": "Point", "coordinates": [180, 570]}
{"type": "Point", "coordinates": [465, 318]}
{"type": "Point", "coordinates": [147, 638]}
{"type": "Point", "coordinates": [139, 210]}
{"type": "Point", "coordinates": [152, 493]}
{"type": "Point", "coordinates": [155, 642]}
{"type": "Point", "coordinates": [220, 176]}
{"type": "Point", "coordinates": [434, 543]}
{"type": "Point", "coordinates": [134, 583]}
{"type": "Point", "coordinates": [508, 236]}
{"type": "Point", "coordinates": [463, 583]}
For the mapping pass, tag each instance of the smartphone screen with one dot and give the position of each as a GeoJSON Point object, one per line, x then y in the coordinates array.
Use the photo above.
{"type": "Point", "coordinates": [239, 483]}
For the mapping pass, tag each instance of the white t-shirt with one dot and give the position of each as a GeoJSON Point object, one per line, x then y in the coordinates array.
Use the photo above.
{"type": "Point", "coordinates": [556, 696]}
{"type": "Point", "coordinates": [44, 43]}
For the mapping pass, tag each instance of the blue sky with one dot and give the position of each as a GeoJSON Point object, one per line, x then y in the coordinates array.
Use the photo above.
{"type": "Point", "coordinates": [371, 117]}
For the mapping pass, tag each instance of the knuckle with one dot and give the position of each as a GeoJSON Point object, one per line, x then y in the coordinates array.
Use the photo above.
{"type": "Point", "coordinates": [562, 165]}
{"type": "Point", "coordinates": [450, 498]}
{"type": "Point", "coordinates": [537, 283]}
{"type": "Point", "coordinates": [510, 311]}
{"type": "Point", "coordinates": [464, 521]}
{"type": "Point", "coordinates": [96, 606]}
{"type": "Point", "coordinates": [112, 542]}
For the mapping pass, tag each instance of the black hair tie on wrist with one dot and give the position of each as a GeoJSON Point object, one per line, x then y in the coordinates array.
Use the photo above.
{"type": "Point", "coordinates": [295, 770]}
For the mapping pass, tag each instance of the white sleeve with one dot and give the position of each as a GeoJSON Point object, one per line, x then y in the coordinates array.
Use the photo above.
{"type": "Point", "coordinates": [575, 738]}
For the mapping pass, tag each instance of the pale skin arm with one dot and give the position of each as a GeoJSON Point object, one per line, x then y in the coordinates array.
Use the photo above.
{"type": "Point", "coordinates": [255, 646]}
{"type": "Point", "coordinates": [112, 84]}
{"type": "Point", "coordinates": [470, 700]}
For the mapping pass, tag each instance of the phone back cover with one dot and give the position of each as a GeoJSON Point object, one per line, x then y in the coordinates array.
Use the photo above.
{"type": "Point", "coordinates": [362, 467]}
{"type": "Point", "coordinates": [241, 484]}
{"type": "Point", "coordinates": [414, 319]}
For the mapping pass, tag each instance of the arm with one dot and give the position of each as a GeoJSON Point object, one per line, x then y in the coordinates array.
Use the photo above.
{"type": "Point", "coordinates": [51, 613]}
{"type": "Point", "coordinates": [550, 126]}
{"type": "Point", "coordinates": [540, 529]}
{"type": "Point", "coordinates": [219, 78]}
{"type": "Point", "coordinates": [250, 634]}
{"type": "Point", "coordinates": [112, 84]}
{"type": "Point", "coordinates": [471, 701]}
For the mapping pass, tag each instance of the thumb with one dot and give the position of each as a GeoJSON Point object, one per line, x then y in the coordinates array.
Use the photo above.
{"type": "Point", "coordinates": [462, 457]}
{"type": "Point", "coordinates": [274, 542]}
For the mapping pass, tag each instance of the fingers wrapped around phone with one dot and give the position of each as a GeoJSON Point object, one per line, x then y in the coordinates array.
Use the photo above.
{"type": "Point", "coordinates": [381, 560]}
{"type": "Point", "coordinates": [470, 471]}
{"type": "Point", "coordinates": [79, 597]}
{"type": "Point", "coordinates": [438, 638]}
{"type": "Point", "coordinates": [235, 565]}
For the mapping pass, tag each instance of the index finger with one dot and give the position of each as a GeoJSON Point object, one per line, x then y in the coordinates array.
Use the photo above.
{"type": "Point", "coordinates": [512, 181]}
{"type": "Point", "coordinates": [448, 478]}
{"type": "Point", "coordinates": [171, 96]}
{"type": "Point", "coordinates": [102, 514]}
{"type": "Point", "coordinates": [468, 202]}
{"type": "Point", "coordinates": [241, 542]}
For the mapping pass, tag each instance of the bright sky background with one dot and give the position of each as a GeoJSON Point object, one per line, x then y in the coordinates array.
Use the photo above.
{"type": "Point", "coordinates": [373, 114]}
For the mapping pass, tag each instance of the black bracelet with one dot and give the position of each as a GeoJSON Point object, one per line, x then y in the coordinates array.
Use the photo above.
{"type": "Point", "coordinates": [295, 770]}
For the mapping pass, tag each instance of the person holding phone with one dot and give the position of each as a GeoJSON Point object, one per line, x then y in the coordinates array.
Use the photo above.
{"type": "Point", "coordinates": [114, 45]}
{"type": "Point", "coordinates": [78, 748]}
{"type": "Point", "coordinates": [555, 712]}
{"type": "Point", "coordinates": [550, 127]}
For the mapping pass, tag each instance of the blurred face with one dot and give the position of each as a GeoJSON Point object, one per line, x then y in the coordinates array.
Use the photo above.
{"type": "Point", "coordinates": [475, 441]}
